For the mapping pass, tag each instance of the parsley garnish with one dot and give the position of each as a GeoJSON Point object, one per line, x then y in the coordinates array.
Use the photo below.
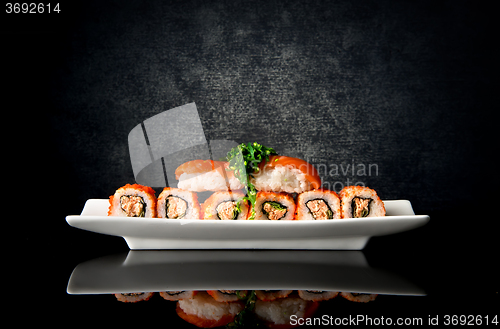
{"type": "Point", "coordinates": [244, 160]}
{"type": "Point", "coordinates": [245, 318]}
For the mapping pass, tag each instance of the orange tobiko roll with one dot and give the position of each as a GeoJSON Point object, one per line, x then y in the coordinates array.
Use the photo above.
{"type": "Point", "coordinates": [274, 206]}
{"type": "Point", "coordinates": [133, 201]}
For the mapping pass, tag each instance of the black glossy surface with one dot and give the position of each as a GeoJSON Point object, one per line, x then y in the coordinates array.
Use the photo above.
{"type": "Point", "coordinates": [408, 86]}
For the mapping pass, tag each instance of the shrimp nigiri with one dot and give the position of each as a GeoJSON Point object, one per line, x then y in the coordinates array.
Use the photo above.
{"type": "Point", "coordinates": [206, 175]}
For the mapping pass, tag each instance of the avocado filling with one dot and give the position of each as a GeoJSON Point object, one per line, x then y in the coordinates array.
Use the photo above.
{"type": "Point", "coordinates": [360, 207]}
{"type": "Point", "coordinates": [228, 210]}
{"type": "Point", "coordinates": [319, 209]}
{"type": "Point", "coordinates": [274, 210]}
{"type": "Point", "coordinates": [133, 206]}
{"type": "Point", "coordinates": [175, 207]}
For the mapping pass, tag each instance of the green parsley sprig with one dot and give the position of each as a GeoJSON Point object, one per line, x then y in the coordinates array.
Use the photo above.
{"type": "Point", "coordinates": [244, 160]}
{"type": "Point", "coordinates": [246, 317]}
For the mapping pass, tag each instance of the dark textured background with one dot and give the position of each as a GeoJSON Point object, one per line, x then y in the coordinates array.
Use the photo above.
{"type": "Point", "coordinates": [406, 85]}
{"type": "Point", "coordinates": [403, 85]}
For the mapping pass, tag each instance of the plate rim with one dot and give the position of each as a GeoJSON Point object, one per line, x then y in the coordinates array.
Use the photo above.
{"type": "Point", "coordinates": [153, 233]}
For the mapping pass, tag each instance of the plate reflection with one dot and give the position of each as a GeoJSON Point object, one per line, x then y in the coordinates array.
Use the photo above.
{"type": "Point", "coordinates": [213, 288]}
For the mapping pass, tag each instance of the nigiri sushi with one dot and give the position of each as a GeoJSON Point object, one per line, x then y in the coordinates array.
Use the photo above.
{"type": "Point", "coordinates": [206, 175]}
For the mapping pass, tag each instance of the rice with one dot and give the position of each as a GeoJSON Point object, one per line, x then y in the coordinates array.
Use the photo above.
{"type": "Point", "coordinates": [279, 311]}
{"type": "Point", "coordinates": [209, 181]}
{"type": "Point", "coordinates": [281, 179]}
{"type": "Point", "coordinates": [204, 306]}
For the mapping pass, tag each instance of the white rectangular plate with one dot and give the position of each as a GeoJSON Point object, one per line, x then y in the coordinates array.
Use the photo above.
{"type": "Point", "coordinates": [160, 233]}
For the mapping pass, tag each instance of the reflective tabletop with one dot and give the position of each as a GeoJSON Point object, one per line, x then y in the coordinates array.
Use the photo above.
{"type": "Point", "coordinates": [267, 288]}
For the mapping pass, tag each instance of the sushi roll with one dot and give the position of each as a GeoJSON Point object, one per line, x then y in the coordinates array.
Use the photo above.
{"type": "Point", "coordinates": [360, 201]}
{"type": "Point", "coordinates": [269, 295]}
{"type": "Point", "coordinates": [206, 175]}
{"type": "Point", "coordinates": [178, 295]}
{"type": "Point", "coordinates": [205, 312]}
{"type": "Point", "coordinates": [318, 205]}
{"type": "Point", "coordinates": [227, 296]}
{"type": "Point", "coordinates": [358, 298]}
{"type": "Point", "coordinates": [274, 206]}
{"type": "Point", "coordinates": [225, 206]}
{"type": "Point", "coordinates": [175, 203]}
{"type": "Point", "coordinates": [317, 295]}
{"type": "Point", "coordinates": [134, 297]}
{"type": "Point", "coordinates": [133, 201]}
{"type": "Point", "coordinates": [286, 174]}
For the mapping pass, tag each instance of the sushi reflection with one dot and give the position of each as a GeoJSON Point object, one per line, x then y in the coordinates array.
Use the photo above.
{"type": "Point", "coordinates": [211, 288]}
{"type": "Point", "coordinates": [272, 308]}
